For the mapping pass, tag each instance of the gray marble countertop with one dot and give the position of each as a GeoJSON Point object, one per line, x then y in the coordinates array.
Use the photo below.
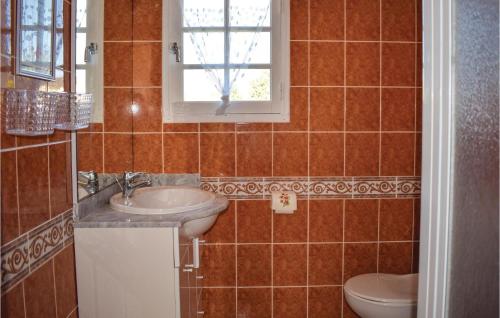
{"type": "Point", "coordinates": [106, 217]}
{"type": "Point", "coordinates": [95, 211]}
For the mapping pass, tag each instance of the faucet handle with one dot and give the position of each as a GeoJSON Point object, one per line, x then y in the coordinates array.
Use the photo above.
{"type": "Point", "coordinates": [130, 176]}
{"type": "Point", "coordinates": [90, 176]}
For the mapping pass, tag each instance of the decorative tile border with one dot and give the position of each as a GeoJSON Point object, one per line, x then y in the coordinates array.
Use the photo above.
{"type": "Point", "coordinates": [314, 187]}
{"type": "Point", "coordinates": [25, 254]}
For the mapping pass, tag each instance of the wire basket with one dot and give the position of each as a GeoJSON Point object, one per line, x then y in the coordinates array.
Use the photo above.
{"type": "Point", "coordinates": [29, 113]}
{"type": "Point", "coordinates": [73, 111]}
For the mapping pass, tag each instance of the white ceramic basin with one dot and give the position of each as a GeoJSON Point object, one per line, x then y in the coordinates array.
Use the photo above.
{"type": "Point", "coordinates": [170, 200]}
{"type": "Point", "coordinates": [163, 200]}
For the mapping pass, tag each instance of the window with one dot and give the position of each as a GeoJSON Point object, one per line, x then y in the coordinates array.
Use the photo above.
{"type": "Point", "coordinates": [226, 60]}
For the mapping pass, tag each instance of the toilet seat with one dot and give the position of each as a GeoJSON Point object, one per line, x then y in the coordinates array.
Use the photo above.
{"type": "Point", "coordinates": [384, 288]}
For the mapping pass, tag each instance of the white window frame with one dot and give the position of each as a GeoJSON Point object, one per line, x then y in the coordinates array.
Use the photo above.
{"type": "Point", "coordinates": [276, 110]}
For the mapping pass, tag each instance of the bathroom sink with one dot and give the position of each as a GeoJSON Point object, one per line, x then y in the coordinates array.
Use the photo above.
{"type": "Point", "coordinates": [170, 200]}
{"type": "Point", "coordinates": [163, 200]}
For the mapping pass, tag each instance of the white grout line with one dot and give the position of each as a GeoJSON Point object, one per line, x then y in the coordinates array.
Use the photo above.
{"type": "Point", "coordinates": [45, 144]}
{"type": "Point", "coordinates": [359, 41]}
{"type": "Point", "coordinates": [55, 288]}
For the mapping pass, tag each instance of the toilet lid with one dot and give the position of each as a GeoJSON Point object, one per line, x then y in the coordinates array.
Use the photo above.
{"type": "Point", "coordinates": [387, 288]}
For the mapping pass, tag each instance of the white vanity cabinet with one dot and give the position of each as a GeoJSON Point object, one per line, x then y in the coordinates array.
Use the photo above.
{"type": "Point", "coordinates": [137, 273]}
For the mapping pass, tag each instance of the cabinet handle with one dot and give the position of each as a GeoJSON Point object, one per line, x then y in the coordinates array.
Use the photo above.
{"type": "Point", "coordinates": [187, 270]}
{"type": "Point", "coordinates": [200, 312]}
{"type": "Point", "coordinates": [199, 277]}
{"type": "Point", "coordinates": [196, 253]}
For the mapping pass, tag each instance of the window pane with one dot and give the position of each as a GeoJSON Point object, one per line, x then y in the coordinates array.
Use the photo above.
{"type": "Point", "coordinates": [201, 85]}
{"type": "Point", "coordinates": [253, 85]}
{"type": "Point", "coordinates": [81, 81]}
{"type": "Point", "coordinates": [203, 13]}
{"type": "Point", "coordinates": [203, 48]}
{"type": "Point", "coordinates": [81, 14]}
{"type": "Point", "coordinates": [251, 47]}
{"type": "Point", "coordinates": [250, 13]}
{"type": "Point", "coordinates": [81, 42]}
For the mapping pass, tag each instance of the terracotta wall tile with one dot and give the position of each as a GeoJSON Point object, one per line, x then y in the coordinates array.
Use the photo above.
{"type": "Point", "coordinates": [61, 193]}
{"type": "Point", "coordinates": [149, 116]}
{"type": "Point", "coordinates": [290, 154]}
{"type": "Point", "coordinates": [118, 156]}
{"type": "Point", "coordinates": [362, 154]}
{"type": "Point", "coordinates": [39, 293]}
{"type": "Point", "coordinates": [416, 220]}
{"type": "Point", "coordinates": [289, 265]}
{"type": "Point", "coordinates": [254, 303]}
{"type": "Point", "coordinates": [147, 64]}
{"type": "Point", "coordinates": [326, 153]}
{"type": "Point", "coordinates": [180, 153]}
{"type": "Point", "coordinates": [325, 264]}
{"type": "Point", "coordinates": [254, 126]}
{"type": "Point", "coordinates": [90, 151]}
{"type": "Point", "coordinates": [219, 268]}
{"type": "Point", "coordinates": [118, 17]}
{"type": "Point", "coordinates": [254, 265]}
{"type": "Point", "coordinates": [33, 178]}
{"type": "Point", "coordinates": [65, 278]}
{"type": "Point", "coordinates": [363, 20]}
{"type": "Point", "coordinates": [13, 303]}
{"type": "Point", "coordinates": [290, 227]}
{"type": "Point", "coordinates": [219, 302]}
{"type": "Point", "coordinates": [9, 208]}
{"type": "Point", "coordinates": [118, 61]}
{"type": "Point", "coordinates": [223, 231]}
{"type": "Point", "coordinates": [254, 221]}
{"type": "Point", "coordinates": [327, 63]}
{"type": "Point", "coordinates": [397, 154]}
{"type": "Point", "coordinates": [148, 152]}
{"type": "Point", "coordinates": [347, 311]}
{"type": "Point", "coordinates": [361, 220]}
{"type": "Point", "coordinates": [30, 140]}
{"type": "Point", "coordinates": [327, 19]}
{"type": "Point", "coordinates": [147, 20]}
{"type": "Point", "coordinates": [217, 127]}
{"type": "Point", "coordinates": [395, 258]}
{"type": "Point", "coordinates": [299, 111]}
{"type": "Point", "coordinates": [325, 220]}
{"type": "Point", "coordinates": [359, 258]}
{"type": "Point", "coordinates": [299, 19]}
{"type": "Point", "coordinates": [217, 154]}
{"type": "Point", "coordinates": [325, 302]}
{"type": "Point", "coordinates": [396, 219]}
{"type": "Point", "coordinates": [363, 109]}
{"type": "Point", "coordinates": [181, 127]}
{"type": "Point", "coordinates": [299, 66]}
{"type": "Point", "coordinates": [398, 20]}
{"type": "Point", "coordinates": [398, 64]}
{"type": "Point", "coordinates": [254, 154]}
{"type": "Point", "coordinates": [327, 109]}
{"type": "Point", "coordinates": [290, 302]}
{"type": "Point", "coordinates": [363, 64]}
{"type": "Point", "coordinates": [398, 109]}
{"type": "Point", "coordinates": [418, 154]}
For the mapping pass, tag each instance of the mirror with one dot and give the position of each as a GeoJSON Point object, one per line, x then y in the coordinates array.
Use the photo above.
{"type": "Point", "coordinates": [36, 37]}
{"type": "Point", "coordinates": [106, 146]}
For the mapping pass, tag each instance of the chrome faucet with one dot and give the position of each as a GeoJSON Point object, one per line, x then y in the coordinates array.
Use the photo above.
{"type": "Point", "coordinates": [133, 181]}
{"type": "Point", "coordinates": [89, 181]}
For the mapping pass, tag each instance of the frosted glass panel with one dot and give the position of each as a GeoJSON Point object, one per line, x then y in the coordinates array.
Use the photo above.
{"type": "Point", "coordinates": [252, 85]}
{"type": "Point", "coordinates": [204, 48]}
{"type": "Point", "coordinates": [260, 53]}
{"type": "Point", "coordinates": [250, 13]}
{"type": "Point", "coordinates": [203, 13]}
{"type": "Point", "coordinates": [198, 86]}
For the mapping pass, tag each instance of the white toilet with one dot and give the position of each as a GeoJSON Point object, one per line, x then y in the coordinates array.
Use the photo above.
{"type": "Point", "coordinates": [383, 295]}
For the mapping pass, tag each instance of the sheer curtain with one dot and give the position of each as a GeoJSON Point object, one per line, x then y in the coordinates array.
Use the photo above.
{"type": "Point", "coordinates": [221, 37]}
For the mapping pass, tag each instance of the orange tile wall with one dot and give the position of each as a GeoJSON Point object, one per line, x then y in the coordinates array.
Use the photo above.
{"type": "Point", "coordinates": [355, 111]}
{"type": "Point", "coordinates": [36, 187]}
